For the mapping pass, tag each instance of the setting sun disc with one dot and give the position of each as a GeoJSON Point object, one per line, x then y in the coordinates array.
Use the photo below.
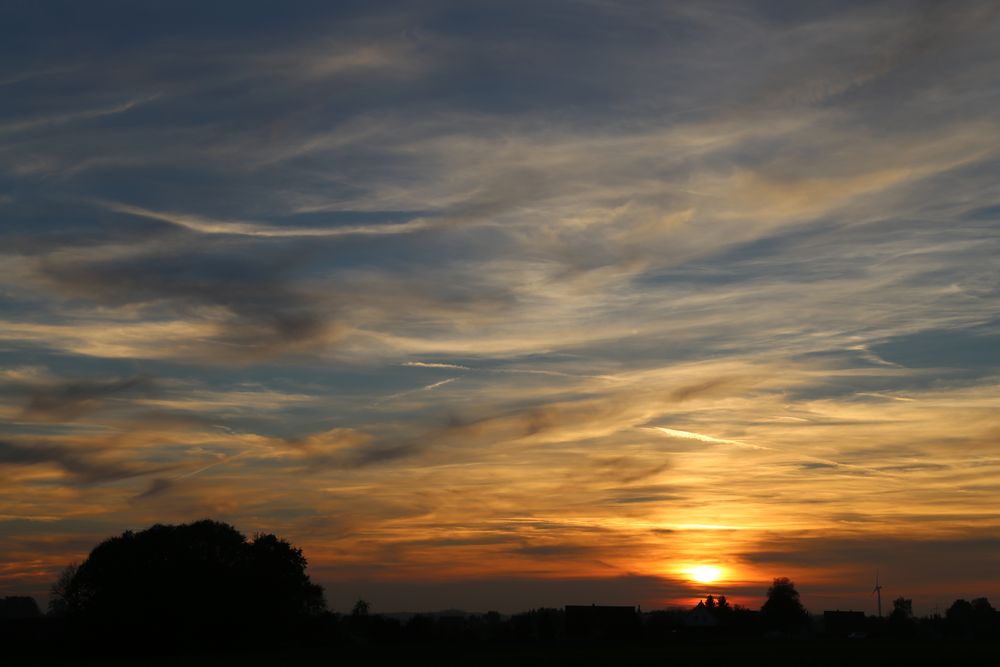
{"type": "Point", "coordinates": [705, 574]}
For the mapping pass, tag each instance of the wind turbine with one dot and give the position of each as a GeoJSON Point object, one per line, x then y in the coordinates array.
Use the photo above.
{"type": "Point", "coordinates": [878, 591]}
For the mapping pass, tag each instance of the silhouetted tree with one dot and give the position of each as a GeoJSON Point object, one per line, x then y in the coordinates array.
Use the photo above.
{"type": "Point", "coordinates": [723, 611]}
{"type": "Point", "coordinates": [902, 609]}
{"type": "Point", "coordinates": [745, 621]}
{"type": "Point", "coordinates": [982, 608]}
{"type": "Point", "coordinates": [959, 618]}
{"type": "Point", "coordinates": [198, 574]}
{"type": "Point", "coordinates": [360, 609]}
{"type": "Point", "coordinates": [719, 608]}
{"type": "Point", "coordinates": [984, 618]}
{"type": "Point", "coordinates": [278, 570]}
{"type": "Point", "coordinates": [419, 628]}
{"type": "Point", "coordinates": [901, 618]}
{"type": "Point", "coordinates": [783, 611]}
{"type": "Point", "coordinates": [61, 593]}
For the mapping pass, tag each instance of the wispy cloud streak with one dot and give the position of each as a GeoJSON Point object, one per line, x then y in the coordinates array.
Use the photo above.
{"type": "Point", "coordinates": [210, 226]}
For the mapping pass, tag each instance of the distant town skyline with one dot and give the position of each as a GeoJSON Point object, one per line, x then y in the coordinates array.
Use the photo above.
{"type": "Point", "coordinates": [509, 305]}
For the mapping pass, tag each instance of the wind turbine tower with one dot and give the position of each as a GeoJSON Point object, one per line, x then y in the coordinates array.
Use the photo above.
{"type": "Point", "coordinates": [878, 591]}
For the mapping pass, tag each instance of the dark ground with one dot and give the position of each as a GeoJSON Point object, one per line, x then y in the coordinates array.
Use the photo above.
{"type": "Point", "coordinates": [849, 654]}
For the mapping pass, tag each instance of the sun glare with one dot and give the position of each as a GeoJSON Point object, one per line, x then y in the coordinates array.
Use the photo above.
{"type": "Point", "coordinates": [705, 574]}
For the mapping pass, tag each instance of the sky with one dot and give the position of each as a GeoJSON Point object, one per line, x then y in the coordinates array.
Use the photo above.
{"type": "Point", "coordinates": [509, 305]}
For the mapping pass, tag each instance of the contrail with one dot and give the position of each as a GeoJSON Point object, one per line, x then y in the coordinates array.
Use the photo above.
{"type": "Point", "coordinates": [226, 459]}
{"type": "Point", "coordinates": [428, 364]}
{"type": "Point", "coordinates": [689, 435]}
{"type": "Point", "coordinates": [428, 387]}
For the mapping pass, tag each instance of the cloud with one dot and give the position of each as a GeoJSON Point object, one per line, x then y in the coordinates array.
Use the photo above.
{"type": "Point", "coordinates": [930, 561]}
{"type": "Point", "coordinates": [342, 448]}
{"type": "Point", "coordinates": [69, 400]}
{"type": "Point", "coordinates": [258, 314]}
{"type": "Point", "coordinates": [701, 389]}
{"type": "Point", "coordinates": [237, 228]}
{"type": "Point", "coordinates": [156, 487]}
{"type": "Point", "coordinates": [82, 466]}
{"type": "Point", "coordinates": [63, 118]}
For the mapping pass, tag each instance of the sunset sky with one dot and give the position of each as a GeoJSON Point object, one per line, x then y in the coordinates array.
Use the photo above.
{"type": "Point", "coordinates": [499, 305]}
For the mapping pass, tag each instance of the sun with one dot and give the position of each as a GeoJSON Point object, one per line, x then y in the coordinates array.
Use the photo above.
{"type": "Point", "coordinates": [705, 574]}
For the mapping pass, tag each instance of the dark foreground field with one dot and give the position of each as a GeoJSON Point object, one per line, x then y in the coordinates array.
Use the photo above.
{"type": "Point", "coordinates": [728, 654]}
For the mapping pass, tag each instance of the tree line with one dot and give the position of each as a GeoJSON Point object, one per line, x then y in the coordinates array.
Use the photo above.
{"type": "Point", "coordinates": [206, 584]}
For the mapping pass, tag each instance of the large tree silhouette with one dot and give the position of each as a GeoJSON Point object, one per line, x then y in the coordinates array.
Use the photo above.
{"type": "Point", "coordinates": [783, 611]}
{"type": "Point", "coordinates": [198, 574]}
